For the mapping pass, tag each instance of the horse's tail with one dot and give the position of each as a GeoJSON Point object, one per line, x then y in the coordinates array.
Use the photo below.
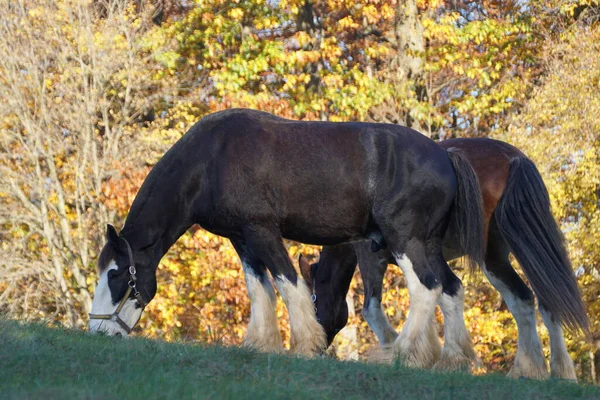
{"type": "Point", "coordinates": [526, 223]}
{"type": "Point", "coordinates": [467, 216]}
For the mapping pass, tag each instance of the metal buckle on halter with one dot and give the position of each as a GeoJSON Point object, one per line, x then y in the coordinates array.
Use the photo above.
{"type": "Point", "coordinates": [313, 297]}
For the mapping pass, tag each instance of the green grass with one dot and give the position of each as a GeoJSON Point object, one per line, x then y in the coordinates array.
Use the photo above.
{"type": "Point", "coordinates": [49, 363]}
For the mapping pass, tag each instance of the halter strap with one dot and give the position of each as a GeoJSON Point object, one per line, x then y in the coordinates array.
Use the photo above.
{"type": "Point", "coordinates": [132, 287]}
{"type": "Point", "coordinates": [313, 296]}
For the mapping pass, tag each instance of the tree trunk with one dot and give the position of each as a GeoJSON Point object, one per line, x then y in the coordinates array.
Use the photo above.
{"type": "Point", "coordinates": [405, 67]}
{"type": "Point", "coordinates": [410, 43]}
{"type": "Point", "coordinates": [305, 21]}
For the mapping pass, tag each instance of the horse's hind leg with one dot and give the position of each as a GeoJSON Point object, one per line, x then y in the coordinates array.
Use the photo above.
{"type": "Point", "coordinates": [414, 345]}
{"type": "Point", "coordinates": [307, 335]}
{"type": "Point", "coordinates": [263, 331]}
{"type": "Point", "coordinates": [372, 267]}
{"type": "Point", "coordinates": [561, 364]}
{"type": "Point", "coordinates": [529, 362]}
{"type": "Point", "coordinates": [458, 350]}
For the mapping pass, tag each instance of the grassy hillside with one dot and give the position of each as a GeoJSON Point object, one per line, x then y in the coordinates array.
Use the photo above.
{"type": "Point", "coordinates": [39, 362]}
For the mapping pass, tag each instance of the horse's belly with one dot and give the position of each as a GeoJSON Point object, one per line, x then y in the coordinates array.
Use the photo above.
{"type": "Point", "coordinates": [327, 228]}
{"type": "Point", "coordinates": [322, 238]}
{"type": "Point", "coordinates": [341, 222]}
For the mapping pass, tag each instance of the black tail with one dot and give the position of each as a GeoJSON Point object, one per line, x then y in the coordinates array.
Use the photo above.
{"type": "Point", "coordinates": [467, 217]}
{"type": "Point", "coordinates": [524, 218]}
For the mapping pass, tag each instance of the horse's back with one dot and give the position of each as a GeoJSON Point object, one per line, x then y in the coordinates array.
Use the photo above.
{"type": "Point", "coordinates": [308, 178]}
{"type": "Point", "coordinates": [280, 151]}
{"type": "Point", "coordinates": [317, 181]}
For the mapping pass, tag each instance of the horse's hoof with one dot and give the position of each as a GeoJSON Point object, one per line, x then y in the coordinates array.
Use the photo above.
{"type": "Point", "coordinates": [455, 363]}
{"type": "Point", "coordinates": [383, 354]}
{"type": "Point", "coordinates": [415, 356]}
{"type": "Point", "coordinates": [527, 373]}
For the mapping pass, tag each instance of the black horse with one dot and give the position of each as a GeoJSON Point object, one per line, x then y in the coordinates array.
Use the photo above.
{"type": "Point", "coordinates": [517, 220]}
{"type": "Point", "coordinates": [256, 179]}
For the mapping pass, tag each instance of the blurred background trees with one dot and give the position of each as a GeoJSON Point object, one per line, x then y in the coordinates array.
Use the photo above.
{"type": "Point", "coordinates": [93, 92]}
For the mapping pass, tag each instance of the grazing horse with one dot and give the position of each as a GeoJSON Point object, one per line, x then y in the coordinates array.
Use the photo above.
{"type": "Point", "coordinates": [256, 179]}
{"type": "Point", "coordinates": [518, 221]}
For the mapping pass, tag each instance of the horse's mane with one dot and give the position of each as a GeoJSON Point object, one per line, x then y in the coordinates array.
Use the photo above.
{"type": "Point", "coordinates": [107, 254]}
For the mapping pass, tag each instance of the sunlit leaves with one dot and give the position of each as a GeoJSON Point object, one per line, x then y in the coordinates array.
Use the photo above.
{"type": "Point", "coordinates": [253, 55]}
{"type": "Point", "coordinates": [481, 65]}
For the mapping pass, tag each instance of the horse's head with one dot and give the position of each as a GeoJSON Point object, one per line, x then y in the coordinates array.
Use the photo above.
{"type": "Point", "coordinates": [126, 285]}
{"type": "Point", "coordinates": [329, 280]}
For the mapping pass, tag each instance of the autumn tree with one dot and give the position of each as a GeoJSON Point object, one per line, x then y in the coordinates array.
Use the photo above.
{"type": "Point", "coordinates": [459, 68]}
{"type": "Point", "coordinates": [70, 89]}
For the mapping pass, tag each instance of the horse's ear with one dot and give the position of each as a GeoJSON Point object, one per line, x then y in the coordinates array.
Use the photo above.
{"type": "Point", "coordinates": [305, 270]}
{"type": "Point", "coordinates": [112, 236]}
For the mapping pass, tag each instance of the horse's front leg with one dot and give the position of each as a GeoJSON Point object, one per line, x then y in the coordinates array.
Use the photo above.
{"type": "Point", "coordinates": [307, 335]}
{"type": "Point", "coordinates": [263, 330]}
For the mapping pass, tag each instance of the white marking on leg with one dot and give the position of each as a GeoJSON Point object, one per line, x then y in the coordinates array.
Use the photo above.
{"type": "Point", "coordinates": [434, 339]}
{"type": "Point", "coordinates": [350, 332]}
{"type": "Point", "coordinates": [378, 321]}
{"type": "Point", "coordinates": [384, 353]}
{"type": "Point", "coordinates": [307, 335]}
{"type": "Point", "coordinates": [561, 364]}
{"type": "Point", "coordinates": [529, 361]}
{"type": "Point", "coordinates": [413, 344]}
{"type": "Point", "coordinates": [263, 330]}
{"type": "Point", "coordinates": [102, 304]}
{"type": "Point", "coordinates": [458, 349]}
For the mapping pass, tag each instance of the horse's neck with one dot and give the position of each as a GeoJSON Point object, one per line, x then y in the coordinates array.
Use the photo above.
{"type": "Point", "coordinates": [154, 242]}
{"type": "Point", "coordinates": [150, 230]}
{"type": "Point", "coordinates": [160, 213]}
{"type": "Point", "coordinates": [342, 277]}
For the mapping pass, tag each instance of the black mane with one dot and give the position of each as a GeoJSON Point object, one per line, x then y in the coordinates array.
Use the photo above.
{"type": "Point", "coordinates": [107, 254]}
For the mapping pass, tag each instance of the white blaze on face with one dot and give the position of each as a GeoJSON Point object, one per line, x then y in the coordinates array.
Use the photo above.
{"type": "Point", "coordinates": [103, 304]}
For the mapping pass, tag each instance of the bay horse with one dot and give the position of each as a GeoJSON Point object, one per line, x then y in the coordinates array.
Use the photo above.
{"type": "Point", "coordinates": [518, 220]}
{"type": "Point", "coordinates": [255, 178]}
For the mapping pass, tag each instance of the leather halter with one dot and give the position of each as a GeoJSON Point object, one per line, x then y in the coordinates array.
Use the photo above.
{"type": "Point", "coordinates": [131, 287]}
